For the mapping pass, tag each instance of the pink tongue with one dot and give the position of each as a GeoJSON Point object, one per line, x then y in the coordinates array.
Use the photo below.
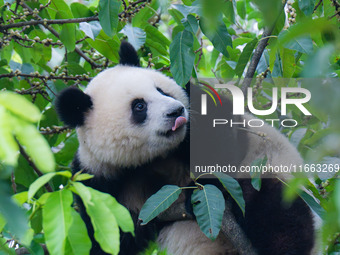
{"type": "Point", "coordinates": [180, 121]}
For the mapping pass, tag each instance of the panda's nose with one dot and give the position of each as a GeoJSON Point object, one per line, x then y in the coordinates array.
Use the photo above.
{"type": "Point", "coordinates": [176, 113]}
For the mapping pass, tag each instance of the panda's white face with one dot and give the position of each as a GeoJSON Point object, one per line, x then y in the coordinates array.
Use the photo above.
{"type": "Point", "coordinates": [137, 115]}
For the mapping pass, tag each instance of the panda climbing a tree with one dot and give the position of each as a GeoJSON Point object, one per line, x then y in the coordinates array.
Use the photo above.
{"type": "Point", "coordinates": [133, 127]}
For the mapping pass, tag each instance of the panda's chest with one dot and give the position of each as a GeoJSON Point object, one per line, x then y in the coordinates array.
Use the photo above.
{"type": "Point", "coordinates": [146, 180]}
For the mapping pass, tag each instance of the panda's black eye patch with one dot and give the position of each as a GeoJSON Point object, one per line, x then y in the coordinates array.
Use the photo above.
{"type": "Point", "coordinates": [162, 92]}
{"type": "Point", "coordinates": [139, 110]}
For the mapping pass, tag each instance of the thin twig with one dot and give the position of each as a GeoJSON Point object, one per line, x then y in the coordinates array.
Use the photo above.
{"type": "Point", "coordinates": [331, 17]}
{"type": "Point", "coordinates": [200, 50]}
{"type": "Point", "coordinates": [258, 53]}
{"type": "Point", "coordinates": [317, 6]}
{"type": "Point", "coordinates": [35, 168]}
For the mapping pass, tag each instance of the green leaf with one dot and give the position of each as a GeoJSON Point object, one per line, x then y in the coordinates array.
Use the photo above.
{"type": "Point", "coordinates": [244, 57]}
{"type": "Point", "coordinates": [212, 13]}
{"type": "Point", "coordinates": [241, 8]}
{"type": "Point", "coordinates": [317, 65]}
{"type": "Point", "coordinates": [209, 205]}
{"type": "Point", "coordinates": [66, 154]}
{"type": "Point", "coordinates": [20, 198]}
{"type": "Point", "coordinates": [84, 177]}
{"type": "Point", "coordinates": [220, 38]}
{"type": "Point", "coordinates": [302, 44]}
{"type": "Point", "coordinates": [107, 46]}
{"type": "Point", "coordinates": [182, 57]}
{"type": "Point", "coordinates": [60, 9]}
{"type": "Point", "coordinates": [8, 146]}
{"type": "Point", "coordinates": [159, 202]}
{"type": "Point", "coordinates": [20, 106]}
{"type": "Point", "coordinates": [229, 10]}
{"type": "Point", "coordinates": [12, 213]}
{"type": "Point", "coordinates": [77, 240]}
{"type": "Point", "coordinates": [121, 214]}
{"type": "Point", "coordinates": [256, 175]}
{"type": "Point", "coordinates": [288, 62]}
{"type": "Point", "coordinates": [135, 35]}
{"type": "Point", "coordinates": [35, 145]}
{"type": "Point", "coordinates": [190, 24]}
{"type": "Point", "coordinates": [157, 46]}
{"type": "Point", "coordinates": [307, 27]}
{"type": "Point", "coordinates": [154, 34]}
{"type": "Point", "coordinates": [336, 196]}
{"type": "Point", "coordinates": [142, 17]}
{"type": "Point", "coordinates": [108, 15]}
{"type": "Point", "coordinates": [177, 15]}
{"type": "Point", "coordinates": [80, 11]}
{"type": "Point", "coordinates": [104, 223]}
{"type": "Point", "coordinates": [233, 188]}
{"type": "Point", "coordinates": [68, 36]}
{"type": "Point", "coordinates": [91, 29]}
{"type": "Point", "coordinates": [57, 220]}
{"type": "Point", "coordinates": [307, 6]}
{"type": "Point", "coordinates": [297, 136]}
{"type": "Point", "coordinates": [2, 222]}
{"type": "Point", "coordinates": [313, 204]}
{"type": "Point", "coordinates": [28, 237]}
{"type": "Point", "coordinates": [41, 181]}
{"type": "Point", "coordinates": [4, 249]}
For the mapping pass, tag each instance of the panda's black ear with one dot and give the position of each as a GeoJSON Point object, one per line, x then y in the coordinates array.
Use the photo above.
{"type": "Point", "coordinates": [128, 55]}
{"type": "Point", "coordinates": [71, 106]}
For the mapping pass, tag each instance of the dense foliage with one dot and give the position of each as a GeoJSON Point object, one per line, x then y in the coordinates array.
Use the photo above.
{"type": "Point", "coordinates": [46, 46]}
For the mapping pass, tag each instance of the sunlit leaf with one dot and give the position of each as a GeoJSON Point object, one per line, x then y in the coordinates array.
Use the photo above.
{"type": "Point", "coordinates": [19, 105]}
{"type": "Point", "coordinates": [35, 145]}
{"type": "Point", "coordinates": [57, 219]}
{"type": "Point", "coordinates": [8, 146]}
{"type": "Point", "coordinates": [41, 181]}
{"type": "Point", "coordinates": [77, 239]}
{"type": "Point", "coordinates": [104, 222]}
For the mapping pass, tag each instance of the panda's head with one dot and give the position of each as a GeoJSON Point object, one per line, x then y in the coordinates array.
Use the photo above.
{"type": "Point", "coordinates": [126, 116]}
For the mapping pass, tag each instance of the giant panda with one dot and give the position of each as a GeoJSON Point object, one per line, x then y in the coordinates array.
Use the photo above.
{"type": "Point", "coordinates": [133, 127]}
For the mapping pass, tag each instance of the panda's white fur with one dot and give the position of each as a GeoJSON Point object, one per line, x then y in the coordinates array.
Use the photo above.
{"type": "Point", "coordinates": [109, 142]}
{"type": "Point", "coordinates": [121, 143]}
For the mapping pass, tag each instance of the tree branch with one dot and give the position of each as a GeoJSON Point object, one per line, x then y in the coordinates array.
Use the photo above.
{"type": "Point", "coordinates": [48, 22]}
{"type": "Point", "coordinates": [258, 53]}
{"type": "Point", "coordinates": [48, 77]}
{"type": "Point", "coordinates": [232, 230]}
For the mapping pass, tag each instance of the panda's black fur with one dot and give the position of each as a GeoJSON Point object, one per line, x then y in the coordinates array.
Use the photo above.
{"type": "Point", "coordinates": [272, 228]}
